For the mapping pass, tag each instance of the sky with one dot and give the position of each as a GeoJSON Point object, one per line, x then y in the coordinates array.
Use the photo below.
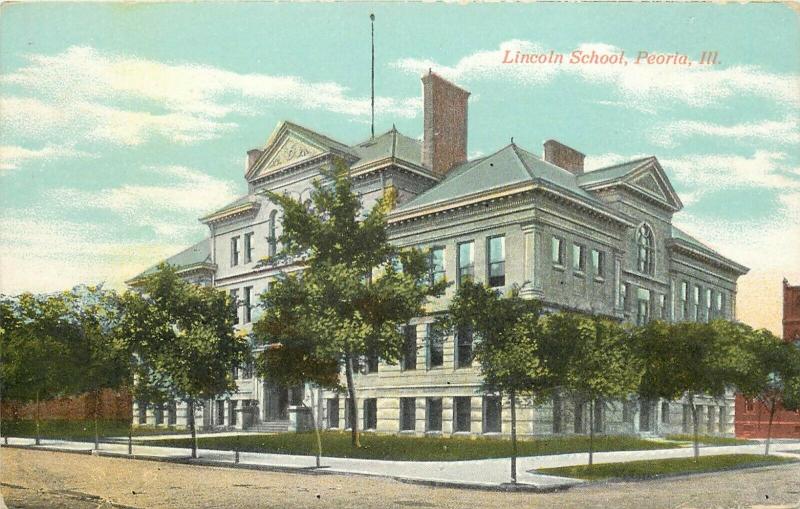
{"type": "Point", "coordinates": [121, 124]}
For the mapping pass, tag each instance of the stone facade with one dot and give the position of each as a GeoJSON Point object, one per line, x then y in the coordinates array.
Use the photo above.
{"type": "Point", "coordinates": [600, 241]}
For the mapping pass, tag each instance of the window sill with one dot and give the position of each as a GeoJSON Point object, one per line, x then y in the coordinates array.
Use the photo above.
{"type": "Point", "coordinates": [435, 368]}
{"type": "Point", "coordinates": [558, 267]}
{"type": "Point", "coordinates": [407, 432]}
{"type": "Point", "coordinates": [435, 433]}
{"type": "Point", "coordinates": [578, 273]}
{"type": "Point", "coordinates": [600, 279]}
{"type": "Point", "coordinates": [462, 433]}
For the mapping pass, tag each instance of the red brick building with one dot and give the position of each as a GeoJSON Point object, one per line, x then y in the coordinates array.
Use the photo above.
{"type": "Point", "coordinates": [751, 416]}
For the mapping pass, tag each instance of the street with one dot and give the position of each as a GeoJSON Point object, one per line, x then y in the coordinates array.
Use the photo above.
{"type": "Point", "coordinates": [38, 479]}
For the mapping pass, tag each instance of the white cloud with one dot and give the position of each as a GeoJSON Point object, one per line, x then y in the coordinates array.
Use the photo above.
{"type": "Point", "coordinates": [12, 156]}
{"type": "Point", "coordinates": [127, 100]}
{"type": "Point", "coordinates": [640, 86]}
{"type": "Point", "coordinates": [764, 169]}
{"type": "Point", "coordinates": [780, 132]}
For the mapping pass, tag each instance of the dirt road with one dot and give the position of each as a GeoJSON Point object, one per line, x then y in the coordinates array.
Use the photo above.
{"type": "Point", "coordinates": [49, 479]}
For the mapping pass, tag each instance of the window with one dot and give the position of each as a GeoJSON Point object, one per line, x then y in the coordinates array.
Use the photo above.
{"type": "Point", "coordinates": [333, 413]}
{"type": "Point", "coordinates": [437, 272]}
{"type": "Point", "coordinates": [248, 247]}
{"type": "Point", "coordinates": [624, 292]}
{"type": "Point", "coordinates": [578, 258]}
{"type": "Point", "coordinates": [172, 413]}
{"type": "Point", "coordinates": [646, 253]}
{"type": "Point", "coordinates": [686, 421]}
{"type": "Point", "coordinates": [466, 262]}
{"type": "Point", "coordinates": [665, 412]}
{"type": "Point", "coordinates": [220, 412]}
{"type": "Point", "coordinates": [558, 251]}
{"type": "Point", "coordinates": [371, 364]}
{"type": "Point", "coordinates": [142, 409]}
{"type": "Point", "coordinates": [712, 417]}
{"type": "Point", "coordinates": [580, 409]}
{"type": "Point", "coordinates": [232, 409]}
{"type": "Point", "coordinates": [348, 413]}
{"type": "Point", "coordinates": [235, 372]}
{"type": "Point", "coordinates": [643, 306]}
{"type": "Point", "coordinates": [235, 299]}
{"type": "Point", "coordinates": [234, 251]}
{"type": "Point", "coordinates": [433, 414]}
{"type": "Point", "coordinates": [696, 303]}
{"type": "Point", "coordinates": [370, 413]}
{"type": "Point", "coordinates": [723, 419]}
{"type": "Point", "coordinates": [297, 394]}
{"type": "Point", "coordinates": [662, 306]}
{"type": "Point", "coordinates": [684, 296]}
{"type": "Point", "coordinates": [492, 414]}
{"type": "Point", "coordinates": [709, 300]}
{"type": "Point", "coordinates": [497, 261]}
{"type": "Point", "coordinates": [749, 406]}
{"type": "Point", "coordinates": [159, 413]}
{"type": "Point", "coordinates": [248, 309]}
{"type": "Point", "coordinates": [645, 415]}
{"type": "Point", "coordinates": [720, 304]}
{"type": "Point", "coordinates": [408, 414]}
{"type": "Point", "coordinates": [627, 412]}
{"type": "Point", "coordinates": [272, 234]}
{"type": "Point", "coordinates": [464, 347]}
{"type": "Point", "coordinates": [247, 371]}
{"type": "Point", "coordinates": [598, 416]}
{"type": "Point", "coordinates": [462, 413]}
{"type": "Point", "coordinates": [410, 347]}
{"type": "Point", "coordinates": [435, 347]}
{"type": "Point", "coordinates": [598, 263]}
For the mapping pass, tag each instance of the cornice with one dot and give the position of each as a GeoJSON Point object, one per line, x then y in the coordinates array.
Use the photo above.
{"type": "Point", "coordinates": [243, 210]}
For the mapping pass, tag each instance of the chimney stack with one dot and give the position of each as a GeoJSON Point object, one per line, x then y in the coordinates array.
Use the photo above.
{"type": "Point", "coordinates": [252, 156]}
{"type": "Point", "coordinates": [563, 156]}
{"type": "Point", "coordinates": [444, 143]}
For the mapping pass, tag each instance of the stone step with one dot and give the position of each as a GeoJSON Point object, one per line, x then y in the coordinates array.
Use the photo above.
{"type": "Point", "coordinates": [270, 427]}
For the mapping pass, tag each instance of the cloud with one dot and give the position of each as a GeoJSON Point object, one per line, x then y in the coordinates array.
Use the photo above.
{"type": "Point", "coordinates": [169, 209]}
{"type": "Point", "coordinates": [779, 132]}
{"type": "Point", "coordinates": [127, 100]}
{"type": "Point", "coordinates": [639, 85]}
{"type": "Point", "coordinates": [12, 156]}
{"type": "Point", "coordinates": [764, 169]}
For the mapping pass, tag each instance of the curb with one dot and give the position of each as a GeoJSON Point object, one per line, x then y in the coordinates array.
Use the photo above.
{"type": "Point", "coordinates": [323, 470]}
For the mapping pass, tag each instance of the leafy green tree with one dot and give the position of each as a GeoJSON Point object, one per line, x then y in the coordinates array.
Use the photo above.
{"type": "Point", "coordinates": [686, 358]}
{"type": "Point", "coordinates": [772, 374]}
{"type": "Point", "coordinates": [600, 365]}
{"type": "Point", "coordinates": [356, 289]}
{"type": "Point", "coordinates": [36, 360]}
{"type": "Point", "coordinates": [184, 335]}
{"type": "Point", "coordinates": [508, 350]}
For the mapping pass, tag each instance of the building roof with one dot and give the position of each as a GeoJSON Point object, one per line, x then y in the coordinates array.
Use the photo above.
{"type": "Point", "coordinates": [392, 143]}
{"type": "Point", "coordinates": [682, 237]}
{"type": "Point", "coordinates": [247, 199]}
{"type": "Point", "coordinates": [508, 166]}
{"type": "Point", "coordinates": [195, 256]}
{"type": "Point", "coordinates": [614, 172]}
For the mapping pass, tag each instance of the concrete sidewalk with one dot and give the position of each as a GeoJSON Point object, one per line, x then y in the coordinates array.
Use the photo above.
{"type": "Point", "coordinates": [483, 474]}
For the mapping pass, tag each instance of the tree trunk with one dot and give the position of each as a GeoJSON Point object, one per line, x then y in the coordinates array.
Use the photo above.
{"type": "Point", "coordinates": [769, 426]}
{"type": "Point", "coordinates": [316, 430]}
{"type": "Point", "coordinates": [130, 437]}
{"type": "Point", "coordinates": [96, 431]}
{"type": "Point", "coordinates": [591, 432]}
{"type": "Point", "coordinates": [190, 409]}
{"type": "Point", "coordinates": [513, 437]}
{"type": "Point", "coordinates": [695, 424]}
{"type": "Point", "coordinates": [351, 391]}
{"type": "Point", "coordinates": [38, 437]}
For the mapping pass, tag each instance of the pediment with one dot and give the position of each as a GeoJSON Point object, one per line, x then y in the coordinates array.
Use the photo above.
{"type": "Point", "coordinates": [648, 184]}
{"type": "Point", "coordinates": [650, 180]}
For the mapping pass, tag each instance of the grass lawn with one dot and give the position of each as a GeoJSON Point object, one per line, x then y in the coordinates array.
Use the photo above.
{"type": "Point", "coordinates": [655, 468]}
{"type": "Point", "coordinates": [402, 448]}
{"type": "Point", "coordinates": [78, 430]}
{"type": "Point", "coordinates": [711, 440]}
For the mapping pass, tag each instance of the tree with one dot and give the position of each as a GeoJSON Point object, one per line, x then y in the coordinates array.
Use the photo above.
{"type": "Point", "coordinates": [33, 329]}
{"type": "Point", "coordinates": [772, 374]}
{"type": "Point", "coordinates": [600, 365]}
{"type": "Point", "coordinates": [508, 349]}
{"type": "Point", "coordinates": [686, 358]}
{"type": "Point", "coordinates": [356, 289]}
{"type": "Point", "coordinates": [185, 336]}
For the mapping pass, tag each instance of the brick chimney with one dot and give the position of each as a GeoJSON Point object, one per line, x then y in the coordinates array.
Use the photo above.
{"type": "Point", "coordinates": [563, 156]}
{"type": "Point", "coordinates": [252, 156]}
{"type": "Point", "coordinates": [444, 143]}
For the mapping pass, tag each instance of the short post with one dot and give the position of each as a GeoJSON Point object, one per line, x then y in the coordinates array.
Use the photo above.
{"type": "Point", "coordinates": [236, 451]}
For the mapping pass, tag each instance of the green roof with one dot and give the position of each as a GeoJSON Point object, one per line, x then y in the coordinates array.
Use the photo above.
{"type": "Point", "coordinates": [681, 235]}
{"type": "Point", "coordinates": [508, 166]}
{"type": "Point", "coordinates": [610, 173]}
{"type": "Point", "coordinates": [194, 255]}
{"type": "Point", "coordinates": [389, 144]}
{"type": "Point", "coordinates": [242, 200]}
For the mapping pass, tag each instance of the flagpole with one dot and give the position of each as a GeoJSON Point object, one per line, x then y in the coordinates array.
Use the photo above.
{"type": "Point", "coordinates": [372, 81]}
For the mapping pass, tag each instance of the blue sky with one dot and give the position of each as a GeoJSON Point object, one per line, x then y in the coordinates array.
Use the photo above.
{"type": "Point", "coordinates": [120, 124]}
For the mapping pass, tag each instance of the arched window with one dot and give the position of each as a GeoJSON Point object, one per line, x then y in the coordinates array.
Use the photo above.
{"type": "Point", "coordinates": [646, 252]}
{"type": "Point", "coordinates": [272, 235]}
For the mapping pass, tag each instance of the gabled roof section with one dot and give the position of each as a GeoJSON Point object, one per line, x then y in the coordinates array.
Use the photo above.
{"type": "Point", "coordinates": [391, 144]}
{"type": "Point", "coordinates": [292, 143]}
{"type": "Point", "coordinates": [242, 206]}
{"type": "Point", "coordinates": [196, 257]}
{"type": "Point", "coordinates": [681, 239]}
{"type": "Point", "coordinates": [510, 168]}
{"type": "Point", "coordinates": [644, 176]}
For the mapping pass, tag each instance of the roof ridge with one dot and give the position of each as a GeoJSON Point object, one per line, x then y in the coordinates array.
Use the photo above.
{"type": "Point", "coordinates": [313, 132]}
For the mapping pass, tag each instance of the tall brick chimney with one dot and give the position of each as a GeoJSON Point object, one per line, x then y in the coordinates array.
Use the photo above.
{"type": "Point", "coordinates": [563, 156]}
{"type": "Point", "coordinates": [252, 156]}
{"type": "Point", "coordinates": [444, 142]}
